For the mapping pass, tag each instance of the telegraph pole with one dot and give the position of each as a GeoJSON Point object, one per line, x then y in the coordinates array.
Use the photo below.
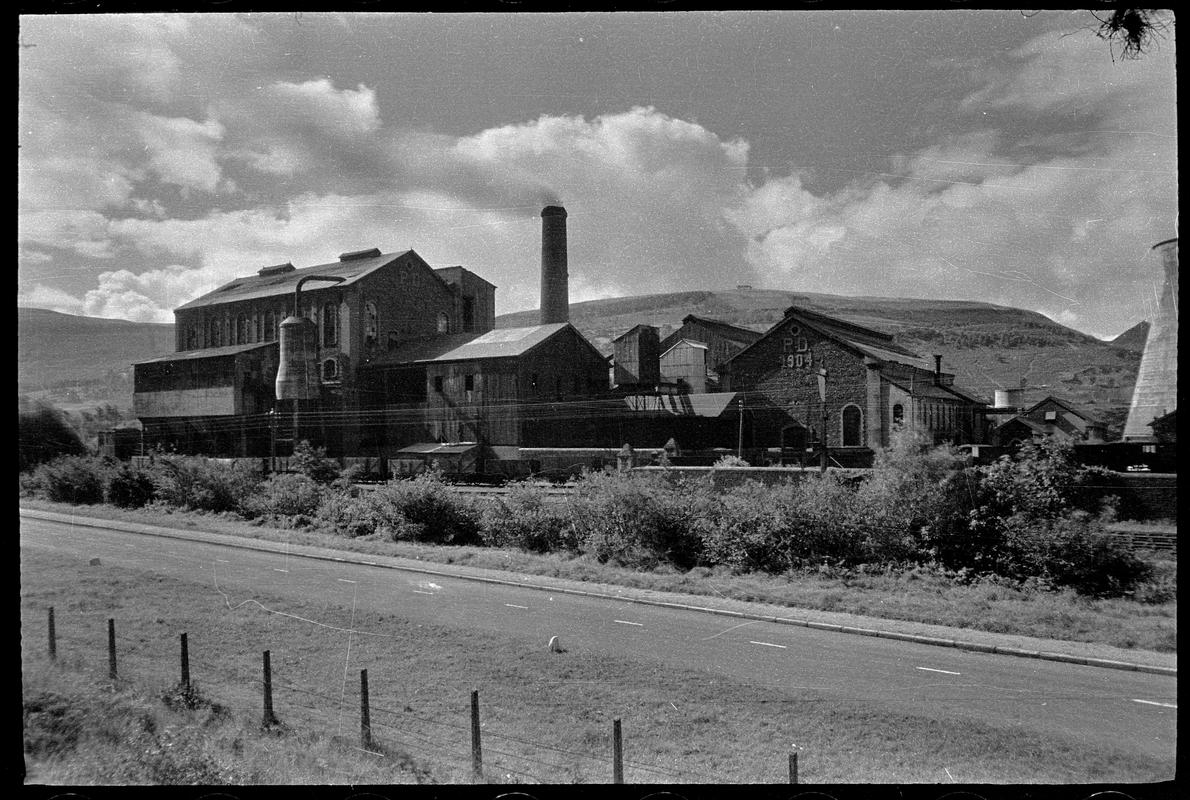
{"type": "Point", "coordinates": [822, 435]}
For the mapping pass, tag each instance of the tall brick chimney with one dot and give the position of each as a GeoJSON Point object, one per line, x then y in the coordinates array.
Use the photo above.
{"type": "Point", "coordinates": [555, 289]}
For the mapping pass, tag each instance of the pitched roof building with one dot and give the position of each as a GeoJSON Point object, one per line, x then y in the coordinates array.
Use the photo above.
{"type": "Point", "coordinates": [872, 384]}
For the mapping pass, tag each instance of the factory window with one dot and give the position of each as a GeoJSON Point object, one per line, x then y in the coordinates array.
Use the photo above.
{"type": "Point", "coordinates": [241, 330]}
{"type": "Point", "coordinates": [853, 420]}
{"type": "Point", "coordinates": [574, 385]}
{"type": "Point", "coordinates": [191, 337]}
{"type": "Point", "coordinates": [443, 323]}
{"type": "Point", "coordinates": [393, 340]}
{"type": "Point", "coordinates": [330, 370]}
{"type": "Point", "coordinates": [469, 382]}
{"type": "Point", "coordinates": [1051, 416]}
{"type": "Point", "coordinates": [533, 381]}
{"type": "Point", "coordinates": [270, 326]}
{"type": "Point", "coordinates": [558, 387]}
{"type": "Point", "coordinates": [438, 383]}
{"type": "Point", "coordinates": [372, 326]}
{"type": "Point", "coordinates": [216, 333]}
{"type": "Point", "coordinates": [898, 414]}
{"type": "Point", "coordinates": [468, 314]}
{"type": "Point", "coordinates": [330, 325]}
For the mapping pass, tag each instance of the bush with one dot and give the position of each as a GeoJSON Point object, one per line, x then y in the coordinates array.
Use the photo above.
{"type": "Point", "coordinates": [346, 514]}
{"type": "Point", "coordinates": [43, 434]}
{"type": "Point", "coordinates": [73, 479]}
{"type": "Point", "coordinates": [130, 487]}
{"type": "Point", "coordinates": [637, 519]}
{"type": "Point", "coordinates": [528, 519]}
{"type": "Point", "coordinates": [284, 495]}
{"type": "Point", "coordinates": [728, 461]}
{"type": "Point", "coordinates": [423, 509]}
{"type": "Point", "coordinates": [1073, 551]}
{"type": "Point", "coordinates": [313, 463]}
{"type": "Point", "coordinates": [203, 484]}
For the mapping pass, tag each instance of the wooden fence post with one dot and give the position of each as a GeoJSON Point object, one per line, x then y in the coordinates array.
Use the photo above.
{"type": "Point", "coordinates": [185, 662]}
{"type": "Point", "coordinates": [476, 751]}
{"type": "Point", "coordinates": [111, 649]}
{"type": "Point", "coordinates": [793, 767]}
{"type": "Point", "coordinates": [53, 637]}
{"type": "Point", "coordinates": [269, 718]}
{"type": "Point", "coordinates": [365, 716]}
{"type": "Point", "coordinates": [617, 752]}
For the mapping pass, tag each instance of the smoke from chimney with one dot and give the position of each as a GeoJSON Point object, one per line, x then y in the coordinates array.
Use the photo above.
{"type": "Point", "coordinates": [555, 290]}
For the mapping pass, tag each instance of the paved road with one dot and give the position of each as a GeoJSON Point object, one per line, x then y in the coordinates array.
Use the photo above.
{"type": "Point", "coordinates": [1135, 712]}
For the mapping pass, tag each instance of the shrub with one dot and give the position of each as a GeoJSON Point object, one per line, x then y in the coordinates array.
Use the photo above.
{"type": "Point", "coordinates": [73, 479]}
{"type": "Point", "coordinates": [312, 462]}
{"type": "Point", "coordinates": [528, 519]}
{"type": "Point", "coordinates": [638, 519]}
{"type": "Point", "coordinates": [728, 461]}
{"type": "Point", "coordinates": [346, 514]}
{"type": "Point", "coordinates": [907, 492]}
{"type": "Point", "coordinates": [130, 487]}
{"type": "Point", "coordinates": [424, 509]}
{"type": "Point", "coordinates": [43, 434]}
{"type": "Point", "coordinates": [204, 484]}
{"type": "Point", "coordinates": [750, 527]}
{"type": "Point", "coordinates": [283, 495]}
{"type": "Point", "coordinates": [1073, 551]}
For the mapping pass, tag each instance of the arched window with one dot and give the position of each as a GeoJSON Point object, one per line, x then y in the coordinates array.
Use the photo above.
{"type": "Point", "coordinates": [192, 337]}
{"type": "Point", "coordinates": [216, 333]}
{"type": "Point", "coordinates": [443, 322]}
{"type": "Point", "coordinates": [270, 326]}
{"type": "Point", "coordinates": [371, 325]}
{"type": "Point", "coordinates": [853, 431]}
{"type": "Point", "coordinates": [330, 370]}
{"type": "Point", "coordinates": [898, 414]}
{"type": "Point", "coordinates": [330, 325]}
{"type": "Point", "coordinates": [241, 329]}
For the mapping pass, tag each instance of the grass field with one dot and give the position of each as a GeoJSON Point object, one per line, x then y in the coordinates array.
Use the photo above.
{"type": "Point", "coordinates": [916, 595]}
{"type": "Point", "coordinates": [546, 716]}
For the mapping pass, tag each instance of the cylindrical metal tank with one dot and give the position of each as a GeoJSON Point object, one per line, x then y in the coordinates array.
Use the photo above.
{"type": "Point", "coordinates": [297, 346]}
{"type": "Point", "coordinates": [555, 290]}
{"type": "Point", "coordinates": [1008, 398]}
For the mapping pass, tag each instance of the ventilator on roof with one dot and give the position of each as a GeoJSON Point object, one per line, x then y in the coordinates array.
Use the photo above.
{"type": "Point", "coordinates": [355, 254]}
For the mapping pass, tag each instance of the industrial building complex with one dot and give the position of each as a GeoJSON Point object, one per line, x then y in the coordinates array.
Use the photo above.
{"type": "Point", "coordinates": [380, 355]}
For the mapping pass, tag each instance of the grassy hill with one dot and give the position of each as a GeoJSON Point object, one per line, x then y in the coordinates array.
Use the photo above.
{"type": "Point", "coordinates": [79, 362]}
{"type": "Point", "coordinates": [988, 347]}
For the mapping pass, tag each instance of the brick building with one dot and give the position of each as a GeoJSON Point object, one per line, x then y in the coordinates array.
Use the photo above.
{"type": "Point", "coordinates": [872, 384]}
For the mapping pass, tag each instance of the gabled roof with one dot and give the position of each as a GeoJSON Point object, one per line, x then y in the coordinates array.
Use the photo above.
{"type": "Point", "coordinates": [1051, 399]}
{"type": "Point", "coordinates": [209, 352]}
{"type": "Point", "coordinates": [927, 388]}
{"type": "Point", "coordinates": [283, 283]}
{"type": "Point", "coordinates": [684, 340]}
{"type": "Point", "coordinates": [1032, 425]}
{"type": "Point", "coordinates": [498, 343]}
{"type": "Point", "coordinates": [633, 329]}
{"type": "Point", "coordinates": [864, 341]}
{"type": "Point", "coordinates": [745, 333]}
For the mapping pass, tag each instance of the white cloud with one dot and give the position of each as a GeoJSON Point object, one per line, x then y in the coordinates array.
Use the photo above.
{"type": "Point", "coordinates": [181, 151]}
{"type": "Point", "coordinates": [41, 296]}
{"type": "Point", "coordinates": [147, 297]}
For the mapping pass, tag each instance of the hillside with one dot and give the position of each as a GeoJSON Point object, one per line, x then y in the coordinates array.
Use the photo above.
{"type": "Point", "coordinates": [83, 361]}
{"type": "Point", "coordinates": [988, 347]}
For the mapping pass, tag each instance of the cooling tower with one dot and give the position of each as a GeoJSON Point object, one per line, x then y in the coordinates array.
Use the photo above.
{"type": "Point", "coordinates": [1156, 390]}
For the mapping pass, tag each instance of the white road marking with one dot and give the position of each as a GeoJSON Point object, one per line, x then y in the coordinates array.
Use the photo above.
{"type": "Point", "coordinates": [1155, 703]}
{"type": "Point", "coordinates": [510, 605]}
{"type": "Point", "coordinates": [626, 622]}
{"type": "Point", "coordinates": [222, 560]}
{"type": "Point", "coordinates": [769, 644]}
{"type": "Point", "coordinates": [344, 580]}
{"type": "Point", "coordinates": [943, 671]}
{"type": "Point", "coordinates": [278, 569]}
{"type": "Point", "coordinates": [419, 591]}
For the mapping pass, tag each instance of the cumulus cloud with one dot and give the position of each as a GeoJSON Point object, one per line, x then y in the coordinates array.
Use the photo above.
{"type": "Point", "coordinates": [147, 297]}
{"type": "Point", "coordinates": [181, 151]}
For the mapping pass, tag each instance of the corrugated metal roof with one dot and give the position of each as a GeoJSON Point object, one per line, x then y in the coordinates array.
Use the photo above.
{"type": "Point", "coordinates": [256, 286]}
{"type": "Point", "coordinates": [691, 342]}
{"type": "Point", "coordinates": [927, 388]}
{"type": "Point", "coordinates": [708, 404]}
{"type": "Point", "coordinates": [208, 352]}
{"type": "Point", "coordinates": [498, 343]}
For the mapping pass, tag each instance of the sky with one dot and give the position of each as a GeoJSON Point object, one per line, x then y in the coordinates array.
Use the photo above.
{"type": "Point", "coordinates": [961, 154]}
